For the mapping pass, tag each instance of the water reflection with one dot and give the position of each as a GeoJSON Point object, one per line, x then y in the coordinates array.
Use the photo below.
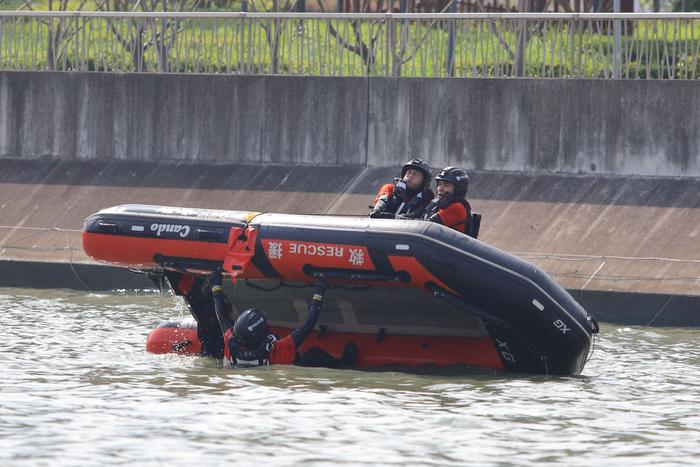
{"type": "Point", "coordinates": [78, 388]}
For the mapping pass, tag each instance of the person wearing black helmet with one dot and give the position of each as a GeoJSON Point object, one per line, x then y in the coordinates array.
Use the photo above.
{"type": "Point", "coordinates": [249, 343]}
{"type": "Point", "coordinates": [451, 208]}
{"type": "Point", "coordinates": [408, 195]}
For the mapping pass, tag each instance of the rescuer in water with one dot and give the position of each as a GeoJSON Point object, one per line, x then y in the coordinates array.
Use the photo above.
{"type": "Point", "coordinates": [406, 196]}
{"type": "Point", "coordinates": [248, 341]}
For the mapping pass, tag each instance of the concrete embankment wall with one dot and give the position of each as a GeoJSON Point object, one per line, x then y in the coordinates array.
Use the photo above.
{"type": "Point", "coordinates": [626, 244]}
{"type": "Point", "coordinates": [572, 126]}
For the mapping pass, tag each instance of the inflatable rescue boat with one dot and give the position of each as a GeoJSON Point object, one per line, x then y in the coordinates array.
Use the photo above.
{"type": "Point", "coordinates": [407, 293]}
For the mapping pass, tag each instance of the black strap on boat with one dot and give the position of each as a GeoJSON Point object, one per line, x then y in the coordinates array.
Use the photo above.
{"type": "Point", "coordinates": [252, 285]}
{"type": "Point", "coordinates": [156, 275]}
{"type": "Point", "coordinates": [350, 275]}
{"type": "Point", "coordinates": [452, 299]}
{"type": "Point", "coordinates": [490, 319]}
{"type": "Point", "coordinates": [184, 264]}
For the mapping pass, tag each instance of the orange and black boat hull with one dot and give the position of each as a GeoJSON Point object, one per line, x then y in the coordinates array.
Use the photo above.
{"type": "Point", "coordinates": [408, 292]}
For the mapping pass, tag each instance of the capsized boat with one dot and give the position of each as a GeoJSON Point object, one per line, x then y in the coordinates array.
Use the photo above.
{"type": "Point", "coordinates": [407, 293]}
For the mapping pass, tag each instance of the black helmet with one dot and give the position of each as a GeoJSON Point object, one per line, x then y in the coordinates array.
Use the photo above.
{"type": "Point", "coordinates": [251, 327]}
{"type": "Point", "coordinates": [421, 166]}
{"type": "Point", "coordinates": [456, 176]}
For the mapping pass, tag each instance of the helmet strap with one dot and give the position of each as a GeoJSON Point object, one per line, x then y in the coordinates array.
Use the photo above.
{"type": "Point", "coordinates": [446, 199]}
{"type": "Point", "coordinates": [258, 356]}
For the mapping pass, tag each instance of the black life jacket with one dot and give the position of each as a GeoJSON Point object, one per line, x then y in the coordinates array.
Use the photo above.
{"type": "Point", "coordinates": [472, 222]}
{"type": "Point", "coordinates": [398, 205]}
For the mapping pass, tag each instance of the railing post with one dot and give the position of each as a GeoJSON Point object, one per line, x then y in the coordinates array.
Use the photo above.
{"type": "Point", "coordinates": [391, 49]}
{"type": "Point", "coordinates": [50, 51]}
{"type": "Point", "coordinates": [450, 65]}
{"type": "Point", "coordinates": [162, 59]}
{"type": "Point", "coordinates": [617, 43]}
{"type": "Point", "coordinates": [127, 34]}
{"type": "Point", "coordinates": [521, 40]}
{"type": "Point", "coordinates": [76, 59]}
{"type": "Point", "coordinates": [242, 63]}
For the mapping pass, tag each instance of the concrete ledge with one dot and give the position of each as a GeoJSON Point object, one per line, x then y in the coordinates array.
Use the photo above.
{"type": "Point", "coordinates": [76, 276]}
{"type": "Point", "coordinates": [644, 309]}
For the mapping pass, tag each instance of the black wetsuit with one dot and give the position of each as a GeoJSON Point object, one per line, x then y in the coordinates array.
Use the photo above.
{"type": "Point", "coordinates": [269, 350]}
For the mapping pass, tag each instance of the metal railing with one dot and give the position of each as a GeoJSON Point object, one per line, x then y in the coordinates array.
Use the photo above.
{"type": "Point", "coordinates": [545, 45]}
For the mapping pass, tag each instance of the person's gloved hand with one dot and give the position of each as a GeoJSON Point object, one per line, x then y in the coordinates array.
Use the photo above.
{"type": "Point", "coordinates": [382, 215]}
{"type": "Point", "coordinates": [215, 278]}
{"type": "Point", "coordinates": [379, 206]}
{"type": "Point", "coordinates": [400, 189]}
{"type": "Point", "coordinates": [320, 287]}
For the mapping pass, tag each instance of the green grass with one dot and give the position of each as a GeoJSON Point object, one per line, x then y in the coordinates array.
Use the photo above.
{"type": "Point", "coordinates": [235, 46]}
{"type": "Point", "coordinates": [40, 5]}
{"type": "Point", "coordinates": [72, 5]}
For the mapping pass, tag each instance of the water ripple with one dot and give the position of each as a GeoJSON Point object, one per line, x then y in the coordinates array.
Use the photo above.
{"type": "Point", "coordinates": [78, 388]}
